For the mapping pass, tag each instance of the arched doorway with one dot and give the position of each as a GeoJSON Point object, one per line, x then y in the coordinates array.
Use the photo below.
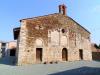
{"type": "Point", "coordinates": [64, 54]}
{"type": "Point", "coordinates": [39, 49]}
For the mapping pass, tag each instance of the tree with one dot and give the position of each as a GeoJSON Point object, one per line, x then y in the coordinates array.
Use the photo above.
{"type": "Point", "coordinates": [99, 46]}
{"type": "Point", "coordinates": [96, 46]}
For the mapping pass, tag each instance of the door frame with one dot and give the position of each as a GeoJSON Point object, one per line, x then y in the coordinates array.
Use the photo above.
{"type": "Point", "coordinates": [41, 54]}
{"type": "Point", "coordinates": [66, 54]}
{"type": "Point", "coordinates": [81, 54]}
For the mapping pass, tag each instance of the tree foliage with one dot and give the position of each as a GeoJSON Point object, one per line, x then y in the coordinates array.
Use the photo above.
{"type": "Point", "coordinates": [97, 46]}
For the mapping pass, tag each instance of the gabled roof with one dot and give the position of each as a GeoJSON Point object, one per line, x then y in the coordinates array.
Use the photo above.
{"type": "Point", "coordinates": [17, 30]}
{"type": "Point", "coordinates": [53, 15]}
{"type": "Point", "coordinates": [78, 24]}
{"type": "Point", "coordinates": [32, 18]}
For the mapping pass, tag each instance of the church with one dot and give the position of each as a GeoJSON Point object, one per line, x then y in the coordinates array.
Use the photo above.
{"type": "Point", "coordinates": [51, 38]}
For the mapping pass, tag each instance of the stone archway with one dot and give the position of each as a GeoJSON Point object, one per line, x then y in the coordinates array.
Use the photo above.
{"type": "Point", "coordinates": [64, 54]}
{"type": "Point", "coordinates": [39, 50]}
{"type": "Point", "coordinates": [39, 42]}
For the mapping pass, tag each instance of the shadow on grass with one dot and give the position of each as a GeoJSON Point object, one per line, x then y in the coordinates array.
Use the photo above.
{"type": "Point", "coordinates": [8, 61]}
{"type": "Point", "coordinates": [80, 71]}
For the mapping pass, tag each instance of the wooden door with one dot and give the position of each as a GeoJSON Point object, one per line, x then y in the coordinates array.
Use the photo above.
{"type": "Point", "coordinates": [39, 54]}
{"type": "Point", "coordinates": [81, 54]}
{"type": "Point", "coordinates": [64, 54]}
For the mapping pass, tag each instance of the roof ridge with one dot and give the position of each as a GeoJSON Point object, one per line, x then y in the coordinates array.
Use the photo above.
{"type": "Point", "coordinates": [39, 16]}
{"type": "Point", "coordinates": [78, 24]}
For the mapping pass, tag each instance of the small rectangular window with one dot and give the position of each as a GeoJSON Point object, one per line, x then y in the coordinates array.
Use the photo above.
{"type": "Point", "coordinates": [3, 44]}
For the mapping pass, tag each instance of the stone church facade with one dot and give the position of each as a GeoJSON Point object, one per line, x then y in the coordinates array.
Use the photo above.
{"type": "Point", "coordinates": [52, 38]}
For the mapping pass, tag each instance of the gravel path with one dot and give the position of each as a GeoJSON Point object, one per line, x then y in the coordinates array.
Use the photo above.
{"type": "Point", "coordinates": [68, 68]}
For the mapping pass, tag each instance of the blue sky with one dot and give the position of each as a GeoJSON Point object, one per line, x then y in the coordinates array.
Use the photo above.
{"type": "Point", "coordinates": [85, 12]}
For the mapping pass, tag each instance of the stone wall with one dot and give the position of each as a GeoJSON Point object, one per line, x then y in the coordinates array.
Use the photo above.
{"type": "Point", "coordinates": [96, 56]}
{"type": "Point", "coordinates": [53, 32]}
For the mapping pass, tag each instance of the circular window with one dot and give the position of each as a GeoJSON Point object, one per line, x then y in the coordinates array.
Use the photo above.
{"type": "Point", "coordinates": [63, 30]}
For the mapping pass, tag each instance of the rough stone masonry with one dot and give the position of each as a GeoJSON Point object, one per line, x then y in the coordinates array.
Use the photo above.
{"type": "Point", "coordinates": [52, 38]}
